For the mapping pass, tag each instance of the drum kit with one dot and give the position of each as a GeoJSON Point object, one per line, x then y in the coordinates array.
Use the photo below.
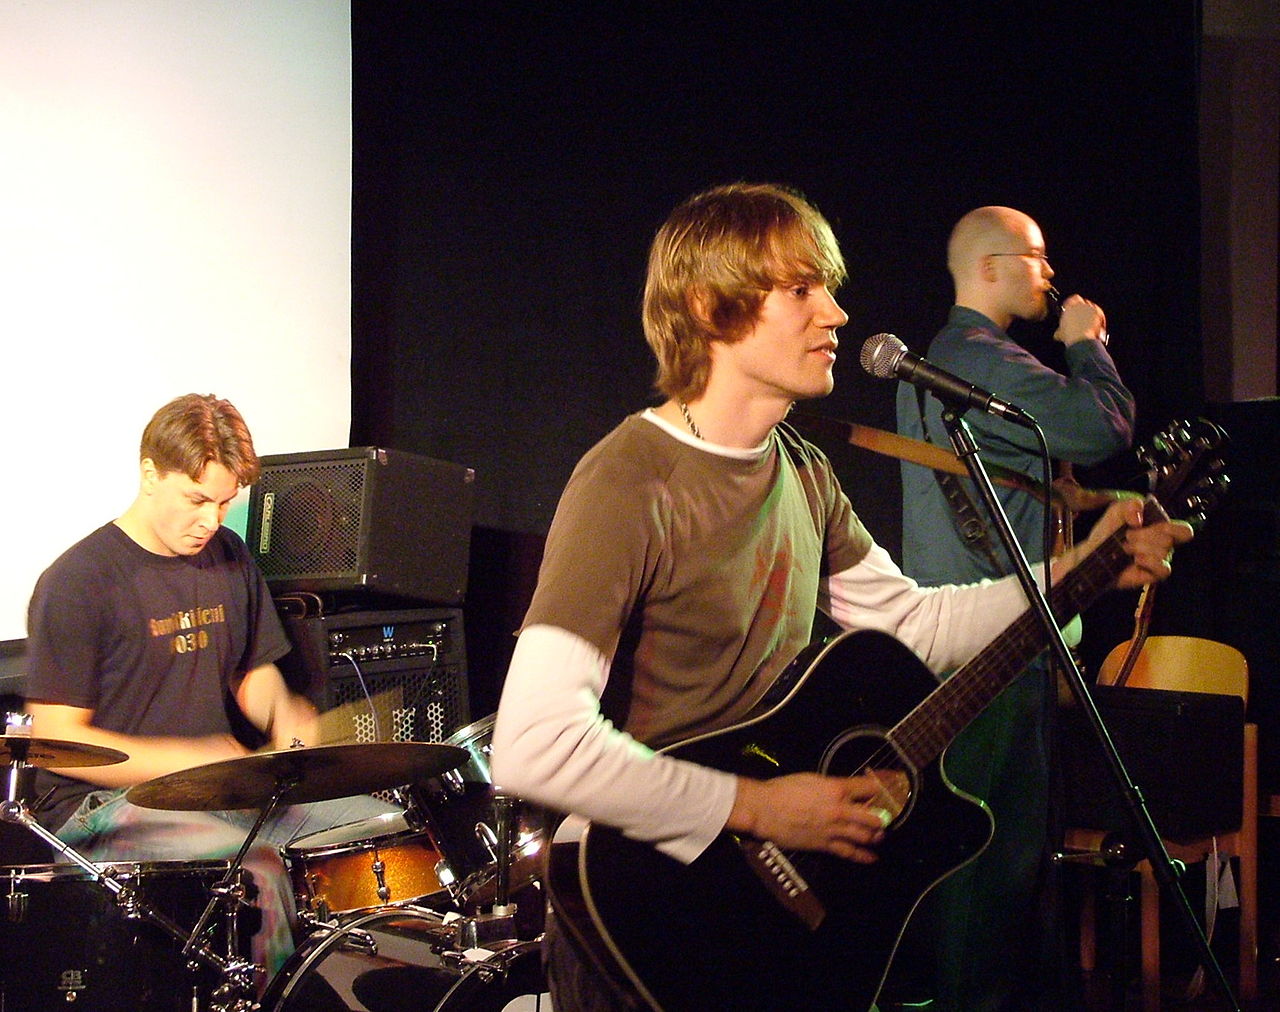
{"type": "Point", "coordinates": [437, 907]}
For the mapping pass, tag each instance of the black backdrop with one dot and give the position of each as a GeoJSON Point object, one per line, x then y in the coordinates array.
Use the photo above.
{"type": "Point", "coordinates": [510, 167]}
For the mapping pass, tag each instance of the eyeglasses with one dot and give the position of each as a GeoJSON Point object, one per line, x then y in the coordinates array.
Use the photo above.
{"type": "Point", "coordinates": [1042, 257]}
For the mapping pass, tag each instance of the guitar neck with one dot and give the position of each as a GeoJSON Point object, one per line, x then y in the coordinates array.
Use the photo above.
{"type": "Point", "coordinates": [924, 733]}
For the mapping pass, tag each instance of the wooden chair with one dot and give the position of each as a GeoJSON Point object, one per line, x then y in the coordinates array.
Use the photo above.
{"type": "Point", "coordinates": [1188, 664]}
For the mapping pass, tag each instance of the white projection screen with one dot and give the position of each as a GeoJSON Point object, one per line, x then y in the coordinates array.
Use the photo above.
{"type": "Point", "coordinates": [176, 183]}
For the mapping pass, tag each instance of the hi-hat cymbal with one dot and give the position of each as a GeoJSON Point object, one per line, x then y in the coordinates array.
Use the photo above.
{"type": "Point", "coordinates": [318, 774]}
{"type": "Point", "coordinates": [49, 752]}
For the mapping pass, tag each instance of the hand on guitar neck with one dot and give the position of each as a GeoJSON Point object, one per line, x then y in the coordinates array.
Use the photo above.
{"type": "Point", "coordinates": [1149, 545]}
{"type": "Point", "coordinates": [1075, 498]}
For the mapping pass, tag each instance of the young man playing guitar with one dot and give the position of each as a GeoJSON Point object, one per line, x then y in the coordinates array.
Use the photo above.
{"type": "Point", "coordinates": [687, 556]}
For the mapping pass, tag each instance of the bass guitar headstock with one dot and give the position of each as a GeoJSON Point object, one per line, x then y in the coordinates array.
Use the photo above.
{"type": "Point", "coordinates": [1184, 469]}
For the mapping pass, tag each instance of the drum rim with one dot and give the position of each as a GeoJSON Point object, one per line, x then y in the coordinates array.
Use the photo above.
{"type": "Point", "coordinates": [53, 870]}
{"type": "Point", "coordinates": [472, 731]}
{"type": "Point", "coordinates": [296, 846]}
{"type": "Point", "coordinates": [500, 957]}
{"type": "Point", "coordinates": [328, 940]}
{"type": "Point", "coordinates": [307, 958]}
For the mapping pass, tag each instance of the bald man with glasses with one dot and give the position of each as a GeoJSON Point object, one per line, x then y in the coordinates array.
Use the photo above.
{"type": "Point", "coordinates": [991, 925]}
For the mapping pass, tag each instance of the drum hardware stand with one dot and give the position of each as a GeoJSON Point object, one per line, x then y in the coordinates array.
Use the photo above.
{"type": "Point", "coordinates": [506, 842]}
{"type": "Point", "coordinates": [499, 924]}
{"type": "Point", "coordinates": [229, 893]}
{"type": "Point", "coordinates": [230, 996]}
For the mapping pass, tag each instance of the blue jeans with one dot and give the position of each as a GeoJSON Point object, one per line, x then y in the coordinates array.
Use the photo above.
{"type": "Point", "coordinates": [108, 828]}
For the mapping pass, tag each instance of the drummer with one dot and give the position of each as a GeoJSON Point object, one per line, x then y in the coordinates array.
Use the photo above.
{"type": "Point", "coordinates": [157, 636]}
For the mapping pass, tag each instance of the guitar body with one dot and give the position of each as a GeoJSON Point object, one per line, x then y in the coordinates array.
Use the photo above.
{"type": "Point", "coordinates": [713, 933]}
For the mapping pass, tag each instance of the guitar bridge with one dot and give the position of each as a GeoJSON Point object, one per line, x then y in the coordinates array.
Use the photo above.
{"type": "Point", "coordinates": [783, 881]}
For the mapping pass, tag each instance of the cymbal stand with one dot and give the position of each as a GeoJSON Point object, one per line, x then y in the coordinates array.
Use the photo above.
{"type": "Point", "coordinates": [231, 996]}
{"type": "Point", "coordinates": [229, 892]}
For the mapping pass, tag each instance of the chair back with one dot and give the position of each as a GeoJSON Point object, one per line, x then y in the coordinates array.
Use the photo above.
{"type": "Point", "coordinates": [1183, 664]}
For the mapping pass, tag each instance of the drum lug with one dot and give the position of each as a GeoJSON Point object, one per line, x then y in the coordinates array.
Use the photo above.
{"type": "Point", "coordinates": [313, 904]}
{"type": "Point", "coordinates": [487, 838]}
{"type": "Point", "coordinates": [352, 938]}
{"type": "Point", "coordinates": [16, 907]}
{"type": "Point", "coordinates": [318, 922]}
{"type": "Point", "coordinates": [445, 875]}
{"type": "Point", "coordinates": [379, 869]}
{"type": "Point", "coordinates": [361, 941]}
{"type": "Point", "coordinates": [460, 960]}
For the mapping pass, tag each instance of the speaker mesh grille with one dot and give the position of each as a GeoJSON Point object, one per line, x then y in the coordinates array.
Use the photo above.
{"type": "Point", "coordinates": [434, 703]}
{"type": "Point", "coordinates": [315, 513]}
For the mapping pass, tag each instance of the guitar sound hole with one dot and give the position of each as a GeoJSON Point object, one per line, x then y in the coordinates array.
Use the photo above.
{"type": "Point", "coordinates": [860, 752]}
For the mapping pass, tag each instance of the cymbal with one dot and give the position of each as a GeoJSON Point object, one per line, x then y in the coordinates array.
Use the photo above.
{"type": "Point", "coordinates": [47, 752]}
{"type": "Point", "coordinates": [321, 772]}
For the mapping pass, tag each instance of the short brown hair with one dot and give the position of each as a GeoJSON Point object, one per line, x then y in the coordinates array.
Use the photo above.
{"type": "Point", "coordinates": [194, 430]}
{"type": "Point", "coordinates": [713, 262]}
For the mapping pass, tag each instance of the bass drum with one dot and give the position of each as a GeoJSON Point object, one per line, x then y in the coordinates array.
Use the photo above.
{"type": "Point", "coordinates": [404, 960]}
{"type": "Point", "coordinates": [65, 941]}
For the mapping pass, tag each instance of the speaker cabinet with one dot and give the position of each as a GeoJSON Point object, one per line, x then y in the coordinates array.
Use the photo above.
{"type": "Point", "coordinates": [1184, 750]}
{"type": "Point", "coordinates": [382, 675]}
{"type": "Point", "coordinates": [363, 519]}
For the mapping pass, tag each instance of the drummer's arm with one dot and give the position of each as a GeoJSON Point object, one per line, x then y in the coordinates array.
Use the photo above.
{"type": "Point", "coordinates": [274, 709]}
{"type": "Point", "coordinates": [149, 757]}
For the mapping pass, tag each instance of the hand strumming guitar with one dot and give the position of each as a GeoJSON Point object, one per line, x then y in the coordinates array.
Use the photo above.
{"type": "Point", "coordinates": [845, 816]}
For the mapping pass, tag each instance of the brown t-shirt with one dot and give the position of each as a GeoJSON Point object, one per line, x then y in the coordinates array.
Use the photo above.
{"type": "Point", "coordinates": [697, 572]}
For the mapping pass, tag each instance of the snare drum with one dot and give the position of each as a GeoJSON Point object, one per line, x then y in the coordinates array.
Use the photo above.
{"type": "Point", "coordinates": [364, 865]}
{"type": "Point", "coordinates": [460, 808]}
{"type": "Point", "coordinates": [66, 942]}
{"type": "Point", "coordinates": [403, 960]}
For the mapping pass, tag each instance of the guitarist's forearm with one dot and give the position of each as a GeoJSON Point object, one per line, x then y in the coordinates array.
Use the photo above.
{"type": "Point", "coordinates": [552, 746]}
{"type": "Point", "coordinates": [944, 626]}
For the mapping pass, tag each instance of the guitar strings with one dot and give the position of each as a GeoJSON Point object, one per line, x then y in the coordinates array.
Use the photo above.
{"type": "Point", "coordinates": [922, 737]}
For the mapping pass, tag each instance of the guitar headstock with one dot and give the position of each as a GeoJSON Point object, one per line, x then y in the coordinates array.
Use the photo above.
{"type": "Point", "coordinates": [1184, 469]}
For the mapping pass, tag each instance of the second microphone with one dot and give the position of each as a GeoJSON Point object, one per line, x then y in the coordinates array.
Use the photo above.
{"type": "Point", "coordinates": [886, 357]}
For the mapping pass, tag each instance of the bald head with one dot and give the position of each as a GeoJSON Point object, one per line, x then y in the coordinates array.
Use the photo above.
{"type": "Point", "coordinates": [992, 256]}
{"type": "Point", "coordinates": [987, 230]}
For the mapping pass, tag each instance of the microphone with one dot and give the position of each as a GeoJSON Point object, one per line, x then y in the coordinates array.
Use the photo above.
{"type": "Point", "coordinates": [1054, 298]}
{"type": "Point", "coordinates": [885, 357]}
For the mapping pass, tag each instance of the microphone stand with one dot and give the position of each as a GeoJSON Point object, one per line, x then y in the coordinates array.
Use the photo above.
{"type": "Point", "coordinates": [1132, 802]}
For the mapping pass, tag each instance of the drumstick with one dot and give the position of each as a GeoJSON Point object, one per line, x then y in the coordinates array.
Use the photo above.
{"type": "Point", "coordinates": [343, 724]}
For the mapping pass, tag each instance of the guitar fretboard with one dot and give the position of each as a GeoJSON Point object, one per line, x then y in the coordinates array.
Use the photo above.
{"type": "Point", "coordinates": [926, 731]}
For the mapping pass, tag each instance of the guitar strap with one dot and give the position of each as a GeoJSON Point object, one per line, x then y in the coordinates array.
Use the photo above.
{"type": "Point", "coordinates": [964, 513]}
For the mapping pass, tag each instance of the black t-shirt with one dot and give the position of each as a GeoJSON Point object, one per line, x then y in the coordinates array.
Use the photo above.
{"type": "Point", "coordinates": [152, 644]}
